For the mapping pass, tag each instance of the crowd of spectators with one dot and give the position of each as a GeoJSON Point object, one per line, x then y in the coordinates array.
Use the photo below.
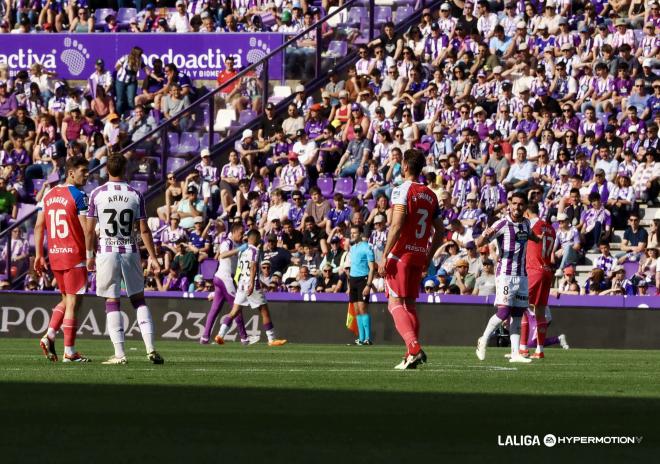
{"type": "Point", "coordinates": [557, 100]}
{"type": "Point", "coordinates": [136, 16]}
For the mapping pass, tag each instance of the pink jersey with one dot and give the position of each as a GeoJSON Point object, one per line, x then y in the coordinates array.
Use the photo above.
{"type": "Point", "coordinates": [66, 240]}
{"type": "Point", "coordinates": [421, 206]}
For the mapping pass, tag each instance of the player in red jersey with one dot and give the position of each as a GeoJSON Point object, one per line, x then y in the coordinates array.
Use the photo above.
{"type": "Point", "coordinates": [62, 215]}
{"type": "Point", "coordinates": [540, 271]}
{"type": "Point", "coordinates": [407, 253]}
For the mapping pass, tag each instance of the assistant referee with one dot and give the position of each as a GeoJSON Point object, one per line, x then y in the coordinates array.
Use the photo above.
{"type": "Point", "coordinates": [361, 274]}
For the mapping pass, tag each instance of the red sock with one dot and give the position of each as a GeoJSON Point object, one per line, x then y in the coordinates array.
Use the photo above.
{"type": "Point", "coordinates": [412, 314]}
{"type": "Point", "coordinates": [403, 324]}
{"type": "Point", "coordinates": [57, 317]}
{"type": "Point", "coordinates": [69, 329]}
{"type": "Point", "coordinates": [524, 330]}
{"type": "Point", "coordinates": [541, 329]}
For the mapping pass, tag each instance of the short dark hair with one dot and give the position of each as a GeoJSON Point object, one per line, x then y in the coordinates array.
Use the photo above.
{"type": "Point", "coordinates": [116, 165]}
{"type": "Point", "coordinates": [254, 233]}
{"type": "Point", "coordinates": [415, 160]}
{"type": "Point", "coordinates": [75, 162]}
{"type": "Point", "coordinates": [236, 226]}
{"type": "Point", "coordinates": [533, 208]}
{"type": "Point", "coordinates": [253, 196]}
{"type": "Point", "coordinates": [594, 196]}
{"type": "Point", "coordinates": [358, 227]}
{"type": "Point", "coordinates": [520, 195]}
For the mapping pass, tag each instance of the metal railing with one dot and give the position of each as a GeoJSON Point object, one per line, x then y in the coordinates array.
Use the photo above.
{"type": "Point", "coordinates": [256, 74]}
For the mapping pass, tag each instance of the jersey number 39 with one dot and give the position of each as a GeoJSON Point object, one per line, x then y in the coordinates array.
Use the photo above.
{"type": "Point", "coordinates": [119, 223]}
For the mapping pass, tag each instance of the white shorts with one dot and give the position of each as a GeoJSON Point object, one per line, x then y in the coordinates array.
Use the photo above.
{"type": "Point", "coordinates": [254, 301]}
{"type": "Point", "coordinates": [511, 291]}
{"type": "Point", "coordinates": [111, 268]}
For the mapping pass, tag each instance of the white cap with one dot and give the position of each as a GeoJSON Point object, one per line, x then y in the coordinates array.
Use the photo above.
{"type": "Point", "coordinates": [647, 63]}
{"type": "Point", "coordinates": [477, 109]}
{"type": "Point", "coordinates": [205, 152]}
{"type": "Point", "coordinates": [246, 133]}
{"type": "Point", "coordinates": [472, 196]}
{"type": "Point", "coordinates": [300, 88]}
{"type": "Point", "coordinates": [497, 70]}
{"type": "Point", "coordinates": [445, 6]}
{"type": "Point", "coordinates": [562, 217]}
{"type": "Point", "coordinates": [521, 25]}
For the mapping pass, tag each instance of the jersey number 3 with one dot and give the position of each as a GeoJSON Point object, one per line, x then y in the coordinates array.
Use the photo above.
{"type": "Point", "coordinates": [122, 222]}
{"type": "Point", "coordinates": [421, 224]}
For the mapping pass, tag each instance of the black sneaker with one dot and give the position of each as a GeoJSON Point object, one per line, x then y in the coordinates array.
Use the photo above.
{"type": "Point", "coordinates": [367, 342]}
{"type": "Point", "coordinates": [155, 358]}
{"type": "Point", "coordinates": [412, 361]}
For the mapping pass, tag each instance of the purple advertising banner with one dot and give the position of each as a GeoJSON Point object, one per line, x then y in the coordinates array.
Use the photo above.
{"type": "Point", "coordinates": [201, 56]}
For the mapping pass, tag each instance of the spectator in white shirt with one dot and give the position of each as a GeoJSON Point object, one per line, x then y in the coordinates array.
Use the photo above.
{"type": "Point", "coordinates": [179, 21]}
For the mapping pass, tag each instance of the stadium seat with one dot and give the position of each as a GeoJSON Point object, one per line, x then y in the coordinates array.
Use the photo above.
{"type": "Point", "coordinates": [246, 116]}
{"type": "Point", "coordinates": [344, 185]}
{"type": "Point", "coordinates": [338, 19]}
{"type": "Point", "coordinates": [37, 183]}
{"type": "Point", "coordinates": [630, 268]}
{"type": "Point", "coordinates": [172, 141]}
{"type": "Point", "coordinates": [188, 143]}
{"type": "Point", "coordinates": [327, 185]}
{"type": "Point", "coordinates": [355, 16]}
{"type": "Point", "coordinates": [208, 268]}
{"type": "Point", "coordinates": [382, 14]}
{"type": "Point", "coordinates": [139, 185]}
{"type": "Point", "coordinates": [174, 164]}
{"type": "Point", "coordinates": [99, 17]}
{"type": "Point", "coordinates": [224, 119]}
{"type": "Point", "coordinates": [403, 11]}
{"type": "Point", "coordinates": [337, 48]}
{"type": "Point", "coordinates": [90, 185]}
{"type": "Point", "coordinates": [24, 209]}
{"type": "Point", "coordinates": [360, 186]}
{"type": "Point", "coordinates": [280, 92]}
{"type": "Point", "coordinates": [371, 204]}
{"type": "Point", "coordinates": [124, 16]}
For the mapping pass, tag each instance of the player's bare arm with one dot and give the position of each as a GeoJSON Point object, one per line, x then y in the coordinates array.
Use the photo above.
{"type": "Point", "coordinates": [90, 242]}
{"type": "Point", "coordinates": [39, 260]}
{"type": "Point", "coordinates": [438, 234]}
{"type": "Point", "coordinates": [253, 276]}
{"type": "Point", "coordinates": [398, 219]}
{"type": "Point", "coordinates": [148, 241]}
{"type": "Point", "coordinates": [485, 237]}
{"type": "Point", "coordinates": [370, 278]}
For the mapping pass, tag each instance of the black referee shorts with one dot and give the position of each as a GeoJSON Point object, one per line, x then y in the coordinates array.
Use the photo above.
{"type": "Point", "coordinates": [356, 287]}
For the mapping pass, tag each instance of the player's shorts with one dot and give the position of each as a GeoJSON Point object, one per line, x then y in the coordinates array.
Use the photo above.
{"type": "Point", "coordinates": [402, 278]}
{"type": "Point", "coordinates": [540, 283]}
{"type": "Point", "coordinates": [72, 281]}
{"type": "Point", "coordinates": [111, 268]}
{"type": "Point", "coordinates": [511, 291]}
{"type": "Point", "coordinates": [255, 301]}
{"type": "Point", "coordinates": [225, 284]}
{"type": "Point", "coordinates": [356, 286]}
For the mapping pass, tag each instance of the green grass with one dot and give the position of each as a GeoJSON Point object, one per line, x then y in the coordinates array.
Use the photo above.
{"type": "Point", "coordinates": [320, 403]}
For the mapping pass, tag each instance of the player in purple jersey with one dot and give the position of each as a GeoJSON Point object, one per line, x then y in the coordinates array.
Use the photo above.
{"type": "Point", "coordinates": [223, 282]}
{"type": "Point", "coordinates": [511, 299]}
{"type": "Point", "coordinates": [249, 292]}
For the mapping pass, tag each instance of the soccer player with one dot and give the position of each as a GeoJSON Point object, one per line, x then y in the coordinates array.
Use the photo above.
{"type": "Point", "coordinates": [249, 292]}
{"type": "Point", "coordinates": [223, 282]}
{"type": "Point", "coordinates": [407, 252]}
{"type": "Point", "coordinates": [511, 295]}
{"type": "Point", "coordinates": [117, 207]}
{"type": "Point", "coordinates": [62, 215]}
{"type": "Point", "coordinates": [540, 272]}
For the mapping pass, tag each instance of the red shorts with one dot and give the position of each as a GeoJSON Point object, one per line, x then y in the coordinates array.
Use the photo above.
{"type": "Point", "coordinates": [540, 283]}
{"type": "Point", "coordinates": [72, 281]}
{"type": "Point", "coordinates": [402, 278]}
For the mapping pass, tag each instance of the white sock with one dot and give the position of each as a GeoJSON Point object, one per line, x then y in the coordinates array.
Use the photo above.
{"type": "Point", "coordinates": [116, 330]}
{"type": "Point", "coordinates": [224, 328]}
{"type": "Point", "coordinates": [493, 323]}
{"type": "Point", "coordinates": [514, 335]}
{"type": "Point", "coordinates": [69, 350]}
{"type": "Point", "coordinates": [146, 327]}
{"type": "Point", "coordinates": [271, 334]}
{"type": "Point", "coordinates": [51, 333]}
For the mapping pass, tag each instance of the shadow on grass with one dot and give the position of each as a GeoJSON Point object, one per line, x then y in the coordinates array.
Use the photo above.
{"type": "Point", "coordinates": [112, 423]}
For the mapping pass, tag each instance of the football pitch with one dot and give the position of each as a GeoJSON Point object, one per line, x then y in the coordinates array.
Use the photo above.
{"type": "Point", "coordinates": [322, 403]}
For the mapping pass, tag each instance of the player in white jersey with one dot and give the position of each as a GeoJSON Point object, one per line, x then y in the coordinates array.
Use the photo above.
{"type": "Point", "coordinates": [223, 281]}
{"type": "Point", "coordinates": [249, 292]}
{"type": "Point", "coordinates": [117, 207]}
{"type": "Point", "coordinates": [511, 297]}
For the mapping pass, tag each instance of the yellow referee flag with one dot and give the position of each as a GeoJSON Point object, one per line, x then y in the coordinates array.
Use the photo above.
{"type": "Point", "coordinates": [351, 320]}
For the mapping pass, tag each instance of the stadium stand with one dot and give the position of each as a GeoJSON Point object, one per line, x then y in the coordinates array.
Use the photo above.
{"type": "Point", "coordinates": [559, 100]}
